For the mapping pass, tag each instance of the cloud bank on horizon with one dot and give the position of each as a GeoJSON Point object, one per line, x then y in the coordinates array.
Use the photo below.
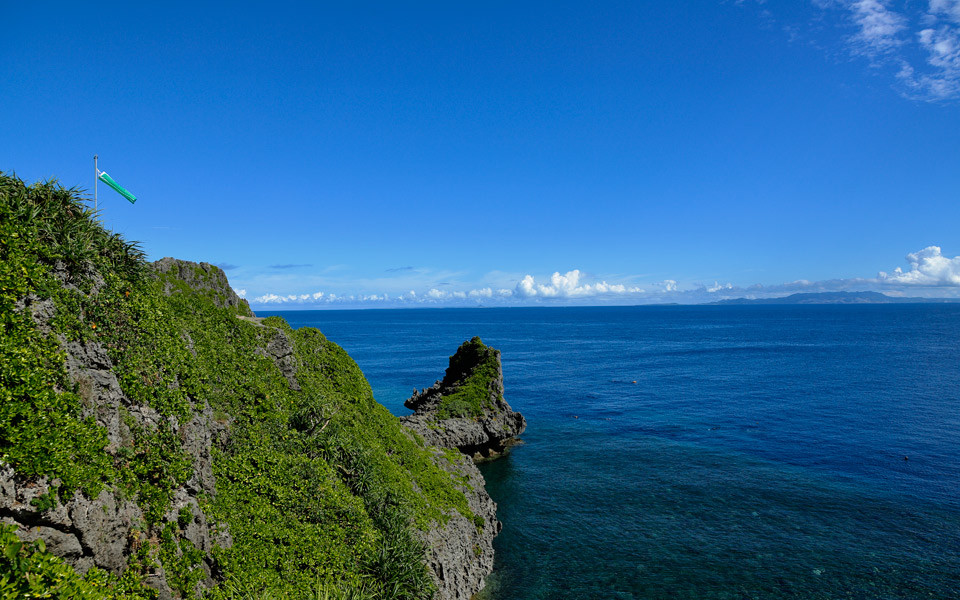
{"type": "Point", "coordinates": [929, 273]}
{"type": "Point", "coordinates": [928, 267]}
{"type": "Point", "coordinates": [919, 42]}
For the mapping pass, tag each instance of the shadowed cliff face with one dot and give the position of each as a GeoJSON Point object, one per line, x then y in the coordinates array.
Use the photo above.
{"type": "Point", "coordinates": [467, 410]}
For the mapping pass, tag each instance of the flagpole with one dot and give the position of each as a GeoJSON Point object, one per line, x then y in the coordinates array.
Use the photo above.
{"type": "Point", "coordinates": [96, 177]}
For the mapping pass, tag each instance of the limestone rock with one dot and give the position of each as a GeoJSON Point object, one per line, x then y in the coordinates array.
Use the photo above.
{"type": "Point", "coordinates": [105, 530]}
{"type": "Point", "coordinates": [102, 531]}
{"type": "Point", "coordinates": [86, 532]}
{"type": "Point", "coordinates": [466, 410]}
{"type": "Point", "coordinates": [460, 553]}
{"type": "Point", "coordinates": [203, 276]}
{"type": "Point", "coordinates": [280, 350]}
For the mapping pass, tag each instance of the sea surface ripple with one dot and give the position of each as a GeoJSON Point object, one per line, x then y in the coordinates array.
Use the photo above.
{"type": "Point", "coordinates": [722, 452]}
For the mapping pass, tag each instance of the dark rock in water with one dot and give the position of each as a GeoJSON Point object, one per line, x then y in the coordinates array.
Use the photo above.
{"type": "Point", "coordinates": [467, 410]}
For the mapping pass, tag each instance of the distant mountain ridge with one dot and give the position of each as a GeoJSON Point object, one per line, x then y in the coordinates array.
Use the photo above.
{"type": "Point", "coordinates": [836, 298]}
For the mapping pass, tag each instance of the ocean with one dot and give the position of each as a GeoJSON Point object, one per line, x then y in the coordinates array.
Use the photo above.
{"type": "Point", "coordinates": [705, 452]}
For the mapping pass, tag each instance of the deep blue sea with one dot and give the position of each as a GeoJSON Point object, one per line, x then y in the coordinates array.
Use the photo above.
{"type": "Point", "coordinates": [713, 452]}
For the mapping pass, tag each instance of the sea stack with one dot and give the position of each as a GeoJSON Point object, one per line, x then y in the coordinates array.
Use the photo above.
{"type": "Point", "coordinates": [466, 410]}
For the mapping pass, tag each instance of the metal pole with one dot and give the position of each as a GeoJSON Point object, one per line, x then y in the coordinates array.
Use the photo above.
{"type": "Point", "coordinates": [96, 178]}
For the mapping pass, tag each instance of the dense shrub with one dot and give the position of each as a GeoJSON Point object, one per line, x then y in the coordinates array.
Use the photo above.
{"type": "Point", "coordinates": [320, 488]}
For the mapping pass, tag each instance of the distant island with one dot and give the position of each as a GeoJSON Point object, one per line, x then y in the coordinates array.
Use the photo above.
{"type": "Point", "coordinates": [837, 298]}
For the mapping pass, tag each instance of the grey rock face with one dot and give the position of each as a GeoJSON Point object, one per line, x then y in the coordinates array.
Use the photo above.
{"type": "Point", "coordinates": [483, 438]}
{"type": "Point", "coordinates": [103, 531]}
{"type": "Point", "coordinates": [460, 553]}
{"type": "Point", "coordinates": [86, 532]}
{"type": "Point", "coordinates": [280, 350]}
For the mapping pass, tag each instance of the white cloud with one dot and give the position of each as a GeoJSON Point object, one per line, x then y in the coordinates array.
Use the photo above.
{"type": "Point", "coordinates": [568, 286]}
{"type": "Point", "coordinates": [481, 293]}
{"type": "Point", "coordinates": [917, 43]}
{"type": "Point", "coordinates": [527, 288]}
{"type": "Point", "coordinates": [942, 46]}
{"type": "Point", "coordinates": [883, 32]}
{"type": "Point", "coordinates": [947, 8]}
{"type": "Point", "coordinates": [929, 274]}
{"type": "Point", "coordinates": [879, 27]}
{"type": "Point", "coordinates": [268, 299]}
{"type": "Point", "coordinates": [928, 267]}
{"type": "Point", "coordinates": [242, 293]}
{"type": "Point", "coordinates": [302, 299]}
{"type": "Point", "coordinates": [716, 287]}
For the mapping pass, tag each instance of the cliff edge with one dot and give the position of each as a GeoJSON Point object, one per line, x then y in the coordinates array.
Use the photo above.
{"type": "Point", "coordinates": [160, 441]}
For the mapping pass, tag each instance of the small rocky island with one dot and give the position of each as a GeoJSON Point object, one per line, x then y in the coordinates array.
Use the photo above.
{"type": "Point", "coordinates": [466, 410]}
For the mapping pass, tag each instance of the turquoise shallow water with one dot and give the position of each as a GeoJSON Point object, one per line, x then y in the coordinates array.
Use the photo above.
{"type": "Point", "coordinates": [760, 453]}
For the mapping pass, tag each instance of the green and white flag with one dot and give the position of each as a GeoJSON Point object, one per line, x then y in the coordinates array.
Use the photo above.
{"type": "Point", "coordinates": [102, 176]}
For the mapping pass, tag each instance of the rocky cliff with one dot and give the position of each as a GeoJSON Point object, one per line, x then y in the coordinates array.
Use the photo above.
{"type": "Point", "coordinates": [466, 410]}
{"type": "Point", "coordinates": [164, 442]}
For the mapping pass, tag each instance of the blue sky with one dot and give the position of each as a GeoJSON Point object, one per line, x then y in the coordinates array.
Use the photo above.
{"type": "Point", "coordinates": [357, 154]}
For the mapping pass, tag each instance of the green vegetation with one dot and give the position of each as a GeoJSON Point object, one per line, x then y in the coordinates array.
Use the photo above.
{"type": "Point", "coordinates": [42, 430]}
{"type": "Point", "coordinates": [27, 570]}
{"type": "Point", "coordinates": [320, 489]}
{"type": "Point", "coordinates": [471, 388]}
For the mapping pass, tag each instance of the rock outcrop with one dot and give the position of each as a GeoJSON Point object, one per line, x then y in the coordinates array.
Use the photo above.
{"type": "Point", "coordinates": [466, 410]}
{"type": "Point", "coordinates": [202, 277]}
{"type": "Point", "coordinates": [84, 531]}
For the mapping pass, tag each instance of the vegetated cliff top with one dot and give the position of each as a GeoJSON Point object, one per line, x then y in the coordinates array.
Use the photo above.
{"type": "Point", "coordinates": [222, 455]}
{"type": "Point", "coordinates": [469, 386]}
